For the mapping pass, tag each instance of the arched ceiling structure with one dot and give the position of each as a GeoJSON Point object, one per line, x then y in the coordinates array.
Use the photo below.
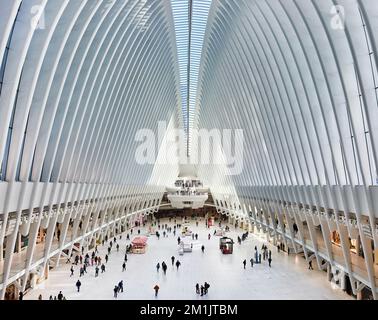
{"type": "Point", "coordinates": [80, 78]}
{"type": "Point", "coordinates": [304, 92]}
{"type": "Point", "coordinates": [300, 79]}
{"type": "Point", "coordinates": [76, 89]}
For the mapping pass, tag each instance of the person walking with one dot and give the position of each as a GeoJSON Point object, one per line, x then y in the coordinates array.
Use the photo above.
{"type": "Point", "coordinates": [21, 296]}
{"type": "Point", "coordinates": [270, 262]}
{"type": "Point", "coordinates": [78, 285]}
{"type": "Point", "coordinates": [117, 247]}
{"type": "Point", "coordinates": [178, 263]}
{"type": "Point", "coordinates": [173, 260]}
{"type": "Point", "coordinates": [178, 240]}
{"type": "Point", "coordinates": [125, 257]}
{"type": "Point", "coordinates": [124, 267]}
{"type": "Point", "coordinates": [251, 262]}
{"type": "Point", "coordinates": [102, 268]}
{"type": "Point", "coordinates": [115, 291]}
{"type": "Point", "coordinates": [106, 258]}
{"type": "Point", "coordinates": [202, 290]}
{"type": "Point", "coordinates": [206, 287]}
{"type": "Point", "coordinates": [72, 271]}
{"type": "Point", "coordinates": [197, 288]}
{"type": "Point", "coordinates": [60, 296]}
{"type": "Point", "coordinates": [164, 266]}
{"type": "Point", "coordinates": [96, 271]}
{"type": "Point", "coordinates": [158, 267]}
{"type": "Point", "coordinates": [310, 265]}
{"type": "Point", "coordinates": [120, 286]}
{"type": "Point", "coordinates": [203, 248]}
{"type": "Point", "coordinates": [156, 288]}
{"type": "Point", "coordinates": [40, 297]}
{"type": "Point", "coordinates": [244, 263]}
{"type": "Point", "coordinates": [209, 236]}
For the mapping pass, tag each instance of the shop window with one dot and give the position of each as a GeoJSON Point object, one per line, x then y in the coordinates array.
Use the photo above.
{"type": "Point", "coordinates": [335, 238]}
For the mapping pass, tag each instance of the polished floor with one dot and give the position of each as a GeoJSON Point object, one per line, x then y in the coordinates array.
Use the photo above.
{"type": "Point", "coordinates": [288, 278]}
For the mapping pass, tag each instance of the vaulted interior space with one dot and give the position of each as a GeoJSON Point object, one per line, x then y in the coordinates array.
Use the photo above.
{"type": "Point", "coordinates": [234, 140]}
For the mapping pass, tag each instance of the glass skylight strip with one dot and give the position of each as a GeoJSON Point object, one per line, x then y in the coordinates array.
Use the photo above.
{"type": "Point", "coordinates": [189, 82]}
{"type": "Point", "coordinates": [200, 14]}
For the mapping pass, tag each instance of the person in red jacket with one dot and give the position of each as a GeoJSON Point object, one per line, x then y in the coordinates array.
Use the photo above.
{"type": "Point", "coordinates": [156, 288]}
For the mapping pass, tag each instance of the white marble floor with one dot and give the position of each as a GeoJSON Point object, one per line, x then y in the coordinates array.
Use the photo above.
{"type": "Point", "coordinates": [288, 278]}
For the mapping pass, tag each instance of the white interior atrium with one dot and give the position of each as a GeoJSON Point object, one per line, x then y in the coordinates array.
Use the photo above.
{"type": "Point", "coordinates": [260, 114]}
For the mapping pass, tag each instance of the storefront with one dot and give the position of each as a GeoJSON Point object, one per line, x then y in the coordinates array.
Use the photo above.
{"type": "Point", "coordinates": [335, 238]}
{"type": "Point", "coordinates": [11, 293]}
{"type": "Point", "coordinates": [353, 244]}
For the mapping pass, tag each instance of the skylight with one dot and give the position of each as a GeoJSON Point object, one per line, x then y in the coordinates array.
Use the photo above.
{"type": "Point", "coordinates": [190, 18]}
